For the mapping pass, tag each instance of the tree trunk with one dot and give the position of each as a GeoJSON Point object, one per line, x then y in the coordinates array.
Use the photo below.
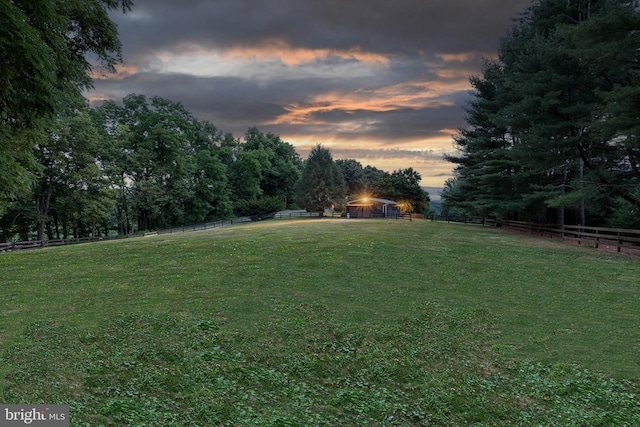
{"type": "Point", "coordinates": [564, 190]}
{"type": "Point", "coordinates": [41, 221]}
{"type": "Point", "coordinates": [65, 226]}
{"type": "Point", "coordinates": [583, 216]}
{"type": "Point", "coordinates": [42, 208]}
{"type": "Point", "coordinates": [50, 235]}
{"type": "Point", "coordinates": [121, 224]}
{"type": "Point", "coordinates": [143, 221]}
{"type": "Point", "coordinates": [57, 226]}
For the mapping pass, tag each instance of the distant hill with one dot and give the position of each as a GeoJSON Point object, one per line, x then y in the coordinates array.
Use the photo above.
{"type": "Point", "coordinates": [434, 193]}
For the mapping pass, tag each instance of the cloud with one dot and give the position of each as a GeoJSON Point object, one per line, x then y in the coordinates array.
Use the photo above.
{"type": "Point", "coordinates": [401, 27]}
{"type": "Point", "coordinates": [275, 49]}
{"type": "Point", "coordinates": [383, 81]}
{"type": "Point", "coordinates": [232, 101]}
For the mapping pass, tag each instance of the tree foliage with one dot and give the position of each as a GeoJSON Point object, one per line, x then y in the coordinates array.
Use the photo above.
{"type": "Point", "coordinates": [360, 180]}
{"type": "Point", "coordinates": [45, 47]}
{"type": "Point", "coordinates": [321, 184]}
{"type": "Point", "coordinates": [284, 164]}
{"type": "Point", "coordinates": [403, 186]}
{"type": "Point", "coordinates": [552, 131]}
{"type": "Point", "coordinates": [260, 208]}
{"type": "Point", "coordinates": [164, 163]}
{"type": "Point", "coordinates": [148, 163]}
{"type": "Point", "coordinates": [145, 163]}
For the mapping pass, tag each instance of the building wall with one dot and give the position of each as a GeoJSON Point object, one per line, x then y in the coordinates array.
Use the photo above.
{"type": "Point", "coordinates": [377, 210]}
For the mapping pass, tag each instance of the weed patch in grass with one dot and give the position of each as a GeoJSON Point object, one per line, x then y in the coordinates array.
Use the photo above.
{"type": "Point", "coordinates": [304, 369]}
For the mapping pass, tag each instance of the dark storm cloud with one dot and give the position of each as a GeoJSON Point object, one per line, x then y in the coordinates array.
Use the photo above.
{"type": "Point", "coordinates": [219, 99]}
{"type": "Point", "coordinates": [385, 26]}
{"type": "Point", "coordinates": [394, 125]}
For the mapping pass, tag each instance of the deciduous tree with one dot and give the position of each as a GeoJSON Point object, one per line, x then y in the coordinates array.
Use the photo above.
{"type": "Point", "coordinates": [282, 168]}
{"type": "Point", "coordinates": [321, 184]}
{"type": "Point", "coordinates": [45, 47]}
{"type": "Point", "coordinates": [403, 186]}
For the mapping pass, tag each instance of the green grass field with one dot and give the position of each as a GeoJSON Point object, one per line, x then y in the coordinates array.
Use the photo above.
{"type": "Point", "coordinates": [325, 322]}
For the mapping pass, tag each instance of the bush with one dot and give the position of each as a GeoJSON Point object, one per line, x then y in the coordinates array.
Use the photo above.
{"type": "Point", "coordinates": [259, 207]}
{"type": "Point", "coordinates": [625, 215]}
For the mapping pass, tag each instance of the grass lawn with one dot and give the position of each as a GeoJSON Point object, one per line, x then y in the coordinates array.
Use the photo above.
{"type": "Point", "coordinates": [325, 322]}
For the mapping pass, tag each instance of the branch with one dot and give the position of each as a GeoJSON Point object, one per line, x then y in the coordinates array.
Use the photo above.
{"type": "Point", "coordinates": [604, 181]}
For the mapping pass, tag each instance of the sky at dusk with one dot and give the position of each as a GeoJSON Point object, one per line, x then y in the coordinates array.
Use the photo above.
{"type": "Point", "coordinates": [384, 82]}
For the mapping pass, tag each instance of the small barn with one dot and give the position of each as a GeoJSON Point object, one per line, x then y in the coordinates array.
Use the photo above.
{"type": "Point", "coordinates": [370, 207]}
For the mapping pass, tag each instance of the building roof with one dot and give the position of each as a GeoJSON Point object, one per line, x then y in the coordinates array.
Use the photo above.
{"type": "Point", "coordinates": [368, 201]}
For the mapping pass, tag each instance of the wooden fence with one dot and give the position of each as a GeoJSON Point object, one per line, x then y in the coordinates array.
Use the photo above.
{"type": "Point", "coordinates": [200, 227]}
{"type": "Point", "coordinates": [620, 240]}
{"type": "Point", "coordinates": [34, 244]}
{"type": "Point", "coordinates": [37, 244]}
{"type": "Point", "coordinates": [298, 215]}
{"type": "Point", "coordinates": [613, 239]}
{"type": "Point", "coordinates": [617, 239]}
{"type": "Point", "coordinates": [476, 220]}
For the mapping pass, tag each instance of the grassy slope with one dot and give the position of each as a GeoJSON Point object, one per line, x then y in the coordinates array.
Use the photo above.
{"type": "Point", "coordinates": [275, 289]}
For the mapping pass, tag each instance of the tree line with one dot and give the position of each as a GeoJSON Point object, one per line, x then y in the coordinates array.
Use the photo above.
{"type": "Point", "coordinates": [553, 130]}
{"type": "Point", "coordinates": [70, 170]}
{"type": "Point", "coordinates": [146, 164]}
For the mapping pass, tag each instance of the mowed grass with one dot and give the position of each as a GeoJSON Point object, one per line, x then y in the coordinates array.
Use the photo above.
{"type": "Point", "coordinates": [323, 322]}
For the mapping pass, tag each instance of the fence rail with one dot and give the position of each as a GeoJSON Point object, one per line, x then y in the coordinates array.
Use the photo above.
{"type": "Point", "coordinates": [491, 222]}
{"type": "Point", "coordinates": [200, 227]}
{"type": "Point", "coordinates": [298, 215]}
{"type": "Point", "coordinates": [35, 244]}
{"type": "Point", "coordinates": [614, 239]}
{"type": "Point", "coordinates": [619, 239]}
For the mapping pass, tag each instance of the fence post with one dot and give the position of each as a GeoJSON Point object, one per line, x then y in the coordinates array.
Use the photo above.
{"type": "Point", "coordinates": [619, 242]}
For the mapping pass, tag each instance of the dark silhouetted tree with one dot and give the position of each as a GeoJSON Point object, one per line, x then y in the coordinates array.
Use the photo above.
{"type": "Point", "coordinates": [321, 184]}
